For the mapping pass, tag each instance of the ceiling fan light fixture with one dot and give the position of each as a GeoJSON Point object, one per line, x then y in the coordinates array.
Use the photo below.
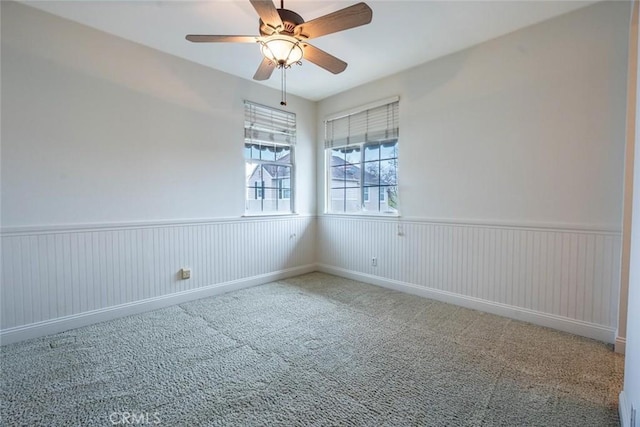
{"type": "Point", "coordinates": [284, 34]}
{"type": "Point", "coordinates": [282, 50]}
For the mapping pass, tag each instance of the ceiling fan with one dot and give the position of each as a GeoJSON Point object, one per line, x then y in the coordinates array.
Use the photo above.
{"type": "Point", "coordinates": [284, 34]}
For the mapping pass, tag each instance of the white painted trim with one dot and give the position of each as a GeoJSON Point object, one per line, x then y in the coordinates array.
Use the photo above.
{"type": "Point", "coordinates": [81, 228]}
{"type": "Point", "coordinates": [503, 225]}
{"type": "Point", "coordinates": [66, 323]}
{"type": "Point", "coordinates": [624, 411]}
{"type": "Point", "coordinates": [585, 329]}
{"type": "Point", "coordinates": [620, 345]}
{"type": "Point", "coordinates": [78, 228]}
{"type": "Point", "coordinates": [361, 108]}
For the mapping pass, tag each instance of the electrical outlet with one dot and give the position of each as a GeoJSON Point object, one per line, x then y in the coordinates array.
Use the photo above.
{"type": "Point", "coordinates": [185, 273]}
{"type": "Point", "coordinates": [374, 262]}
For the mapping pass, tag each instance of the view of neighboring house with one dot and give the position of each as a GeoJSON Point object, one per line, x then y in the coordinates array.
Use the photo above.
{"type": "Point", "coordinates": [269, 187]}
{"type": "Point", "coordinates": [355, 188]}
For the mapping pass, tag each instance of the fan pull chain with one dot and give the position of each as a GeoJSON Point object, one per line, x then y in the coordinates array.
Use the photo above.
{"type": "Point", "coordinates": [284, 86]}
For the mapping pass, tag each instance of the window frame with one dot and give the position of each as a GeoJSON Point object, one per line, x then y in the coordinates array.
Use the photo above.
{"type": "Point", "coordinates": [267, 129]}
{"type": "Point", "coordinates": [282, 190]}
{"type": "Point", "coordinates": [373, 124]}
{"type": "Point", "coordinates": [275, 187]}
{"type": "Point", "coordinates": [364, 190]}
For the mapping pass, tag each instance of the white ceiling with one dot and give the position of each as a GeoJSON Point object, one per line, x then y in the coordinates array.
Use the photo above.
{"type": "Point", "coordinates": [402, 34]}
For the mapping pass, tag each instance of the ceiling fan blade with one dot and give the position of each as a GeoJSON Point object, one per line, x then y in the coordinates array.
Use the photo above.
{"type": "Point", "coordinates": [323, 59]}
{"type": "Point", "coordinates": [343, 19]}
{"type": "Point", "coordinates": [268, 13]}
{"type": "Point", "coordinates": [203, 38]}
{"type": "Point", "coordinates": [264, 70]}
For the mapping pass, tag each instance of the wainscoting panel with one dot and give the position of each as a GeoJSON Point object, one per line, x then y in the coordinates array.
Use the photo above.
{"type": "Point", "coordinates": [54, 273]}
{"type": "Point", "coordinates": [566, 274]}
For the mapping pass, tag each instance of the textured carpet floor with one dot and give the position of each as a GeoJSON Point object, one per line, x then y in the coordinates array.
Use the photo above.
{"type": "Point", "coordinates": [311, 350]}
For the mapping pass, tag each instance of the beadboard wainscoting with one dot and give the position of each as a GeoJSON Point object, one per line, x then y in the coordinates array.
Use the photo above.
{"type": "Point", "coordinates": [567, 279]}
{"type": "Point", "coordinates": [55, 279]}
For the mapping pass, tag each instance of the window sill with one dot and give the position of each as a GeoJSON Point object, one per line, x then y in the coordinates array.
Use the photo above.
{"type": "Point", "coordinates": [262, 215]}
{"type": "Point", "coordinates": [364, 214]}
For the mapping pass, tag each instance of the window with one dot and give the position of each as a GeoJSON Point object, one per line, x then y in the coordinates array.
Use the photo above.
{"type": "Point", "coordinates": [365, 192]}
{"type": "Point", "coordinates": [284, 188]}
{"type": "Point", "coordinates": [362, 160]}
{"type": "Point", "coordinates": [258, 193]}
{"type": "Point", "coordinates": [269, 139]}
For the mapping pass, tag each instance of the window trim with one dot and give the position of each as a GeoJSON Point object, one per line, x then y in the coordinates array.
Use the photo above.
{"type": "Point", "coordinates": [360, 109]}
{"type": "Point", "coordinates": [263, 188]}
{"type": "Point", "coordinates": [265, 126]}
{"type": "Point", "coordinates": [375, 123]}
{"type": "Point", "coordinates": [361, 187]}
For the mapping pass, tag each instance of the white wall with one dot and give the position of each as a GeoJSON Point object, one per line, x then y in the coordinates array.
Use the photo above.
{"type": "Point", "coordinates": [120, 165]}
{"type": "Point", "coordinates": [98, 129]}
{"type": "Point", "coordinates": [632, 354]}
{"type": "Point", "coordinates": [526, 130]}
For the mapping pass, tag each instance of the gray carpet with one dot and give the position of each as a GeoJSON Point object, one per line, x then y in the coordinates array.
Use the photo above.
{"type": "Point", "coordinates": [311, 350]}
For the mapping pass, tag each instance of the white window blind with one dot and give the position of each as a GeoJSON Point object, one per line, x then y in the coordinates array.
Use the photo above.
{"type": "Point", "coordinates": [375, 124]}
{"type": "Point", "coordinates": [267, 125]}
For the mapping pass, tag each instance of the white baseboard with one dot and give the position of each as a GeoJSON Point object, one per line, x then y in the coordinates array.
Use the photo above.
{"type": "Point", "coordinates": [585, 329]}
{"type": "Point", "coordinates": [66, 323]}
{"type": "Point", "coordinates": [620, 345]}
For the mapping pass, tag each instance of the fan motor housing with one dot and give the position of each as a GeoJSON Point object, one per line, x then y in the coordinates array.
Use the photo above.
{"type": "Point", "coordinates": [290, 19]}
